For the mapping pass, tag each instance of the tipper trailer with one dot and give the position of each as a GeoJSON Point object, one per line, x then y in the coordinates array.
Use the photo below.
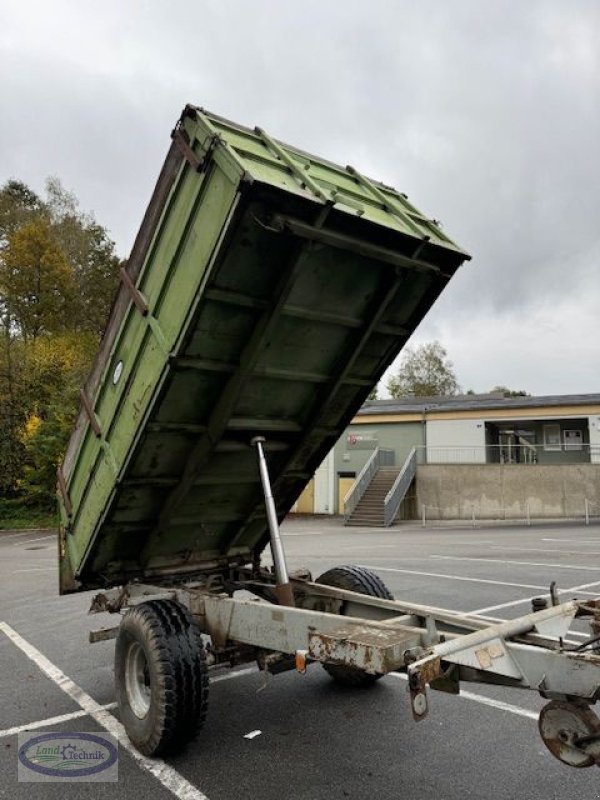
{"type": "Point", "coordinates": [267, 292]}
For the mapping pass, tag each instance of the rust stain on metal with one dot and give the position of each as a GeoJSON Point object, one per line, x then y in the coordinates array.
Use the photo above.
{"type": "Point", "coordinates": [429, 671]}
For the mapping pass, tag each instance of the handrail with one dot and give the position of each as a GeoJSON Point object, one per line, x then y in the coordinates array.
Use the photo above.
{"type": "Point", "coordinates": [378, 458]}
{"type": "Point", "coordinates": [522, 453]}
{"type": "Point", "coordinates": [397, 493]}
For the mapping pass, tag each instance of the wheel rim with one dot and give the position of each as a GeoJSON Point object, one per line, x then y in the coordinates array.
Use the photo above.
{"type": "Point", "coordinates": [561, 724]}
{"type": "Point", "coordinates": [137, 680]}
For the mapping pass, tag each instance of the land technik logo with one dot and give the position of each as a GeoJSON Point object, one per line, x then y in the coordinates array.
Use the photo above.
{"type": "Point", "coordinates": [77, 757]}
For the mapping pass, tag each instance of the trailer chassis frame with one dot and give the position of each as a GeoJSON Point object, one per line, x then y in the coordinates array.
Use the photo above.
{"type": "Point", "coordinates": [434, 647]}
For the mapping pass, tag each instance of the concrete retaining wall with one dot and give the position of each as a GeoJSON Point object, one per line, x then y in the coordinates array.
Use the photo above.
{"type": "Point", "coordinates": [507, 491]}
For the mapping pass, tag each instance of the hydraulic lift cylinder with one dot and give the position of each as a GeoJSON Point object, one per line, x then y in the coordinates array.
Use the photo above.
{"type": "Point", "coordinates": [283, 589]}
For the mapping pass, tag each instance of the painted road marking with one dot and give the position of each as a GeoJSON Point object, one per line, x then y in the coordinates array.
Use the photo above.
{"type": "Point", "coordinates": [49, 721]}
{"type": "Point", "coordinates": [462, 578]}
{"type": "Point", "coordinates": [36, 569]}
{"type": "Point", "coordinates": [522, 563]}
{"type": "Point", "coordinates": [5, 536]}
{"type": "Point", "coordinates": [546, 550]}
{"type": "Point", "coordinates": [234, 674]}
{"type": "Point", "coordinates": [574, 541]}
{"type": "Point", "coordinates": [166, 775]}
{"type": "Point", "coordinates": [38, 539]}
{"type": "Point", "coordinates": [485, 701]}
{"type": "Point", "coordinates": [572, 589]}
{"type": "Point", "coordinates": [169, 777]}
{"type": "Point", "coordinates": [470, 580]}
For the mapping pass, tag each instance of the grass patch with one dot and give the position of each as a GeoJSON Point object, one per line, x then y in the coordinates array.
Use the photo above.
{"type": "Point", "coordinates": [16, 515]}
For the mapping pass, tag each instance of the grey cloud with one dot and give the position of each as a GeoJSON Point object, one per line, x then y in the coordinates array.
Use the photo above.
{"type": "Point", "coordinates": [486, 114]}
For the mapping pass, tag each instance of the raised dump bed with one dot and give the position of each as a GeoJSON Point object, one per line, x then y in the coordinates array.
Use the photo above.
{"type": "Point", "coordinates": [267, 292]}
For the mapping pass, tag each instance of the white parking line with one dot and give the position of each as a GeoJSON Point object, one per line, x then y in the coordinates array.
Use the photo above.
{"type": "Point", "coordinates": [545, 550]}
{"type": "Point", "coordinates": [165, 774]}
{"type": "Point", "coordinates": [579, 588]}
{"type": "Point", "coordinates": [574, 541]}
{"type": "Point", "coordinates": [522, 563]}
{"type": "Point", "coordinates": [49, 722]}
{"type": "Point", "coordinates": [462, 578]}
{"type": "Point", "coordinates": [168, 776]}
{"type": "Point", "coordinates": [238, 673]}
{"type": "Point", "coordinates": [30, 541]}
{"type": "Point", "coordinates": [485, 701]}
{"type": "Point", "coordinates": [5, 536]}
{"type": "Point", "coordinates": [36, 569]}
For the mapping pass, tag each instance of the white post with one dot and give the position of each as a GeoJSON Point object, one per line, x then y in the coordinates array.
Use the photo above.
{"type": "Point", "coordinates": [423, 514]}
{"type": "Point", "coordinates": [528, 514]}
{"type": "Point", "coordinates": [473, 516]}
{"type": "Point", "coordinates": [587, 512]}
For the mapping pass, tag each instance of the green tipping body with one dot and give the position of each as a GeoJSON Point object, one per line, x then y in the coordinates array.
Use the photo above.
{"type": "Point", "coordinates": [272, 290]}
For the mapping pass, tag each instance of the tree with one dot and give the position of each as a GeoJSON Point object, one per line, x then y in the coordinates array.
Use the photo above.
{"type": "Point", "coordinates": [91, 255]}
{"type": "Point", "coordinates": [56, 366]}
{"type": "Point", "coordinates": [58, 274]}
{"type": "Point", "coordinates": [372, 394]}
{"type": "Point", "coordinates": [424, 371]}
{"type": "Point", "coordinates": [36, 281]}
{"type": "Point", "coordinates": [18, 205]}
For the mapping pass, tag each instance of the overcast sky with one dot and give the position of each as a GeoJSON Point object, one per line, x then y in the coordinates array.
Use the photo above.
{"type": "Point", "coordinates": [486, 113]}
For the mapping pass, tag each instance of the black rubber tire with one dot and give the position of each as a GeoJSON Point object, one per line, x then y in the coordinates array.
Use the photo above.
{"type": "Point", "coordinates": [176, 673]}
{"type": "Point", "coordinates": [363, 581]}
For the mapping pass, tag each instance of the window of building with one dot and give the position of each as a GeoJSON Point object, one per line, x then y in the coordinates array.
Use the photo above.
{"type": "Point", "coordinates": [552, 437]}
{"type": "Point", "coordinates": [573, 440]}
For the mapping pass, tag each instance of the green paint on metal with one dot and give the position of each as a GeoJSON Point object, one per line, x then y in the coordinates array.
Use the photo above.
{"type": "Point", "coordinates": [253, 327]}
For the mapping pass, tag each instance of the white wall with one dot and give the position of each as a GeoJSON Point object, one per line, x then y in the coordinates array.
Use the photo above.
{"type": "Point", "coordinates": [456, 441]}
{"type": "Point", "coordinates": [594, 429]}
{"type": "Point", "coordinates": [324, 487]}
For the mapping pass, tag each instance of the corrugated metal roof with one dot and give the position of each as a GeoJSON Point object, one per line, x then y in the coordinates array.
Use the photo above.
{"type": "Point", "coordinates": [482, 402]}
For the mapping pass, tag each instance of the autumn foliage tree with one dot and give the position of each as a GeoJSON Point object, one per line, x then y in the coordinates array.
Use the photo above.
{"type": "Point", "coordinates": [58, 273]}
{"type": "Point", "coordinates": [424, 371]}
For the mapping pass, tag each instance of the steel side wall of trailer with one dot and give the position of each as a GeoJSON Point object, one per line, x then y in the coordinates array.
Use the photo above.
{"type": "Point", "coordinates": [267, 292]}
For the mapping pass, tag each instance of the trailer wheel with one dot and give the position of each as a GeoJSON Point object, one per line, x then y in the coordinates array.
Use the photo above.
{"type": "Point", "coordinates": [161, 677]}
{"type": "Point", "coordinates": [363, 581]}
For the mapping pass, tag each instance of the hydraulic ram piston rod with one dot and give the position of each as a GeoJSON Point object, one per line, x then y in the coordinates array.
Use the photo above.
{"type": "Point", "coordinates": [283, 589]}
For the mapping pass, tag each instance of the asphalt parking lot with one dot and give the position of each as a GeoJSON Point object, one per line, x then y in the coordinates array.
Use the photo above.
{"type": "Point", "coordinates": [316, 740]}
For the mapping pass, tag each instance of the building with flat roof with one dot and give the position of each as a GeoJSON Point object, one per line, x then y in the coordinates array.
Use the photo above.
{"type": "Point", "coordinates": [466, 430]}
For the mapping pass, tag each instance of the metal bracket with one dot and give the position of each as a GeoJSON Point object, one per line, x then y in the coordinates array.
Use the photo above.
{"type": "Point", "coordinates": [90, 413]}
{"type": "Point", "coordinates": [198, 163]}
{"type": "Point", "coordinates": [62, 487]}
{"type": "Point", "coordinates": [137, 297]}
{"type": "Point", "coordinates": [301, 175]}
{"type": "Point", "coordinates": [103, 634]}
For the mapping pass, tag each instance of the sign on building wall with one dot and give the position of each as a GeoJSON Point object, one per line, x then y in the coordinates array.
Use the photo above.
{"type": "Point", "coordinates": [365, 440]}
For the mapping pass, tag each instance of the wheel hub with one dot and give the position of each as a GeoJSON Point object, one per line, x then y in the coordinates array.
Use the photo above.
{"type": "Point", "coordinates": [137, 680]}
{"type": "Point", "coordinates": [565, 728]}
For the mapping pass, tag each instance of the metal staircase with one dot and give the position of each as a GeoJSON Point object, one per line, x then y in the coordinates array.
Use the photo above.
{"type": "Point", "coordinates": [376, 496]}
{"type": "Point", "coordinates": [369, 511]}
